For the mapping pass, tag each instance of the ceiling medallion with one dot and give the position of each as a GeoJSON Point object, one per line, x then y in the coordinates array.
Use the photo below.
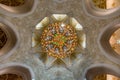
{"type": "Point", "coordinates": [58, 40]}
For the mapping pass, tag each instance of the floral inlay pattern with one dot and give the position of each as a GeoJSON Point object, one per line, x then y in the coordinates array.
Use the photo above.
{"type": "Point", "coordinates": [59, 40]}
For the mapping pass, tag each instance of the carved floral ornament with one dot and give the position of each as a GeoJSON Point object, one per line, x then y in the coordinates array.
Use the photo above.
{"type": "Point", "coordinates": [57, 39]}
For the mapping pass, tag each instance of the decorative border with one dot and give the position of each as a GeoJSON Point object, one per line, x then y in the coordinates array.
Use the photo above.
{"type": "Point", "coordinates": [103, 41]}
{"type": "Point", "coordinates": [11, 32]}
{"type": "Point", "coordinates": [8, 13]}
{"type": "Point", "coordinates": [17, 67]}
{"type": "Point", "coordinates": [100, 68]}
{"type": "Point", "coordinates": [92, 11]}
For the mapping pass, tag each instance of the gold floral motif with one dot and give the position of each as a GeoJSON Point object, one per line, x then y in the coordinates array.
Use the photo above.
{"type": "Point", "coordinates": [59, 41]}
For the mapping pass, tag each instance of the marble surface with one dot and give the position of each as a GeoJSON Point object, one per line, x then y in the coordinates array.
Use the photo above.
{"type": "Point", "coordinates": [25, 26]}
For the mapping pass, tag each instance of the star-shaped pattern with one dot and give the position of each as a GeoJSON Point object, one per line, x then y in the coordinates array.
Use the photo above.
{"type": "Point", "coordinates": [58, 41]}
